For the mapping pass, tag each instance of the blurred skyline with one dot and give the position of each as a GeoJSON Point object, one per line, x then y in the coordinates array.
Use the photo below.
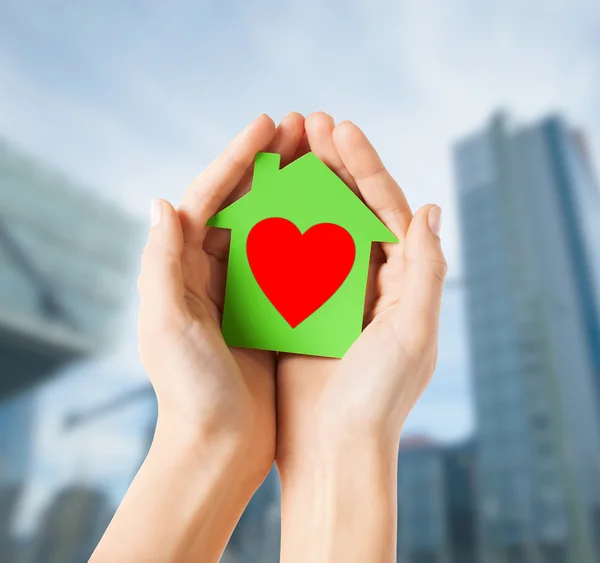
{"type": "Point", "coordinates": [530, 210]}
{"type": "Point", "coordinates": [134, 101]}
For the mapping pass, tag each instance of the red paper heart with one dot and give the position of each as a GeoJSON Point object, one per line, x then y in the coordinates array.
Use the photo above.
{"type": "Point", "coordinates": [299, 272]}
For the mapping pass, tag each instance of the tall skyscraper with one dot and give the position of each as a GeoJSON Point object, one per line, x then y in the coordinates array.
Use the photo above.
{"type": "Point", "coordinates": [436, 511]}
{"type": "Point", "coordinates": [72, 525]}
{"type": "Point", "coordinates": [530, 219]}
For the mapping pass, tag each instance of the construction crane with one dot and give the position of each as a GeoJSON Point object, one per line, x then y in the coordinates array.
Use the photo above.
{"type": "Point", "coordinates": [76, 419]}
{"type": "Point", "coordinates": [144, 391]}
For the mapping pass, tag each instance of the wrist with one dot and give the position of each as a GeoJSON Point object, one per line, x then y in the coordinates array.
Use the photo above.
{"type": "Point", "coordinates": [210, 445]}
{"type": "Point", "coordinates": [336, 454]}
{"type": "Point", "coordinates": [188, 494]}
{"type": "Point", "coordinates": [328, 442]}
{"type": "Point", "coordinates": [342, 495]}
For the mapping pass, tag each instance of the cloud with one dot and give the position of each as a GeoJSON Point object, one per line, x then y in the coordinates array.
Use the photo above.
{"type": "Point", "coordinates": [141, 114]}
{"type": "Point", "coordinates": [134, 100]}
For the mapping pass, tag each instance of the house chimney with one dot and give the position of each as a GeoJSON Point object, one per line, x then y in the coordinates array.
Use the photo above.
{"type": "Point", "coordinates": [265, 165]}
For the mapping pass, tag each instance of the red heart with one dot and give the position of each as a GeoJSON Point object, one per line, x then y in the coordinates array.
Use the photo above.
{"type": "Point", "coordinates": [299, 272]}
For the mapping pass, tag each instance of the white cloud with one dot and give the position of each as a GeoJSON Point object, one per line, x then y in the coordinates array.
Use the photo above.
{"type": "Point", "coordinates": [134, 99]}
{"type": "Point", "coordinates": [415, 74]}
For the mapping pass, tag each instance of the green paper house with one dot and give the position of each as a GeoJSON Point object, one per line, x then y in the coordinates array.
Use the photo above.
{"type": "Point", "coordinates": [298, 261]}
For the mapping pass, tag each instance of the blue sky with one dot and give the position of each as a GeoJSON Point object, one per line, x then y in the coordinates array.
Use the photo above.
{"type": "Point", "coordinates": [133, 98]}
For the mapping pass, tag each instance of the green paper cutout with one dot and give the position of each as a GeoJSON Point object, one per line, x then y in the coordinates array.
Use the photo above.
{"type": "Point", "coordinates": [306, 192]}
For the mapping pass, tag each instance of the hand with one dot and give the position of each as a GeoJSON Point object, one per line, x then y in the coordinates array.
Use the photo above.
{"type": "Point", "coordinates": [215, 438]}
{"type": "Point", "coordinates": [201, 384]}
{"type": "Point", "coordinates": [329, 407]}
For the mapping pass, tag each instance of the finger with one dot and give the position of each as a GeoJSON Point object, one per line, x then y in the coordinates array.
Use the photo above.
{"type": "Point", "coordinates": [424, 278]}
{"type": "Point", "coordinates": [377, 187]}
{"type": "Point", "coordinates": [285, 142]}
{"type": "Point", "coordinates": [161, 280]}
{"type": "Point", "coordinates": [319, 130]}
{"type": "Point", "coordinates": [287, 138]}
{"type": "Point", "coordinates": [319, 133]}
{"type": "Point", "coordinates": [210, 189]}
{"type": "Point", "coordinates": [303, 147]}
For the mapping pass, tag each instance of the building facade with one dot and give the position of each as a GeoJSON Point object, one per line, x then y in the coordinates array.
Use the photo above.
{"type": "Point", "coordinates": [16, 421]}
{"type": "Point", "coordinates": [65, 271]}
{"type": "Point", "coordinates": [436, 507]}
{"type": "Point", "coordinates": [16, 429]}
{"type": "Point", "coordinates": [530, 211]}
{"type": "Point", "coordinates": [257, 534]}
{"type": "Point", "coordinates": [72, 525]}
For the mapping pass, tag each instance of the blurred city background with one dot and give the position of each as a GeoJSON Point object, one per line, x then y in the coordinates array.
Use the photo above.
{"type": "Point", "coordinates": [489, 109]}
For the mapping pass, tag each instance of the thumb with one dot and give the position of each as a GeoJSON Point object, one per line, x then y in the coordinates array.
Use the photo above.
{"type": "Point", "coordinates": [161, 280]}
{"type": "Point", "coordinates": [425, 273]}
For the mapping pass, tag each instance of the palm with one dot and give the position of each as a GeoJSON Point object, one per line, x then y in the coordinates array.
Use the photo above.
{"type": "Point", "coordinates": [205, 271]}
{"type": "Point", "coordinates": [242, 381]}
{"type": "Point", "coordinates": [327, 383]}
{"type": "Point", "coordinates": [254, 377]}
{"type": "Point", "coordinates": [312, 389]}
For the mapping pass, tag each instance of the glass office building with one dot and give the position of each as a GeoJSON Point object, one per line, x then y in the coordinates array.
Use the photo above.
{"type": "Point", "coordinates": [16, 426]}
{"type": "Point", "coordinates": [436, 510]}
{"type": "Point", "coordinates": [65, 264]}
{"type": "Point", "coordinates": [65, 271]}
{"type": "Point", "coordinates": [257, 534]}
{"type": "Point", "coordinates": [422, 534]}
{"type": "Point", "coordinates": [530, 213]}
{"type": "Point", "coordinates": [72, 525]}
{"type": "Point", "coordinates": [16, 422]}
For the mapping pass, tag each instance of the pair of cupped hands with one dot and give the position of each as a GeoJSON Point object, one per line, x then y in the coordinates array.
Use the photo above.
{"type": "Point", "coordinates": [259, 405]}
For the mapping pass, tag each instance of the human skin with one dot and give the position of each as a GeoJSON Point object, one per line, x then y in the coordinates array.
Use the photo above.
{"type": "Point", "coordinates": [215, 437]}
{"type": "Point", "coordinates": [225, 414]}
{"type": "Point", "coordinates": [339, 421]}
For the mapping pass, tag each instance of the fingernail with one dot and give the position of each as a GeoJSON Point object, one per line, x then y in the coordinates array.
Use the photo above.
{"type": "Point", "coordinates": [155, 212]}
{"type": "Point", "coordinates": [251, 125]}
{"type": "Point", "coordinates": [435, 220]}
